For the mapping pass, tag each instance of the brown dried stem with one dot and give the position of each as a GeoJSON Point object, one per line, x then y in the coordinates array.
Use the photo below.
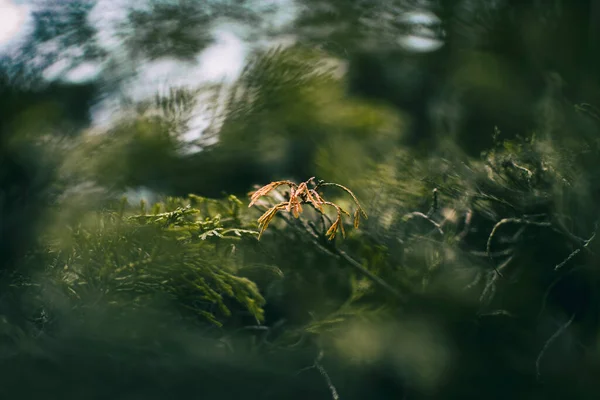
{"type": "Point", "coordinates": [300, 194]}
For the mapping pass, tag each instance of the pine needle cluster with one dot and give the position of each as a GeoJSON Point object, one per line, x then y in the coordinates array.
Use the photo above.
{"type": "Point", "coordinates": [174, 254]}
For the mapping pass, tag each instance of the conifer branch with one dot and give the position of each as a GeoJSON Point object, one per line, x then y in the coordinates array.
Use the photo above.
{"type": "Point", "coordinates": [330, 249]}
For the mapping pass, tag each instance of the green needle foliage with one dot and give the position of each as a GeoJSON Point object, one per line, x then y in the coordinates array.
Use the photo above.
{"type": "Point", "coordinates": [173, 254]}
{"type": "Point", "coordinates": [471, 273]}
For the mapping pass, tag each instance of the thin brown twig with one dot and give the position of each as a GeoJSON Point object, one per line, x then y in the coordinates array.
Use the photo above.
{"type": "Point", "coordinates": [505, 221]}
{"type": "Point", "coordinates": [585, 245]}
{"type": "Point", "coordinates": [491, 284]}
{"type": "Point", "coordinates": [319, 367]}
{"type": "Point", "coordinates": [338, 253]}
{"type": "Point", "coordinates": [562, 229]}
{"type": "Point", "coordinates": [555, 282]}
{"type": "Point", "coordinates": [549, 342]}
{"type": "Point", "coordinates": [418, 214]}
{"type": "Point", "coordinates": [300, 194]}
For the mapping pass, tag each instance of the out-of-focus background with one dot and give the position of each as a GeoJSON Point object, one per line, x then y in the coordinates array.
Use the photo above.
{"type": "Point", "coordinates": [132, 134]}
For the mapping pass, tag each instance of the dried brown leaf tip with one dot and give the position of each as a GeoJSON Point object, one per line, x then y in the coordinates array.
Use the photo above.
{"type": "Point", "coordinates": [305, 193]}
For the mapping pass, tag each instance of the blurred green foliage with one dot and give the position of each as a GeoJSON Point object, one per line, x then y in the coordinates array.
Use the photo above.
{"type": "Point", "coordinates": [127, 261]}
{"type": "Point", "coordinates": [131, 266]}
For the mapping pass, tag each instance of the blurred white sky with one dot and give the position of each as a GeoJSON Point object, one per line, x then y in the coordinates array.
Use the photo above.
{"type": "Point", "coordinates": [13, 18]}
{"type": "Point", "coordinates": [222, 61]}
